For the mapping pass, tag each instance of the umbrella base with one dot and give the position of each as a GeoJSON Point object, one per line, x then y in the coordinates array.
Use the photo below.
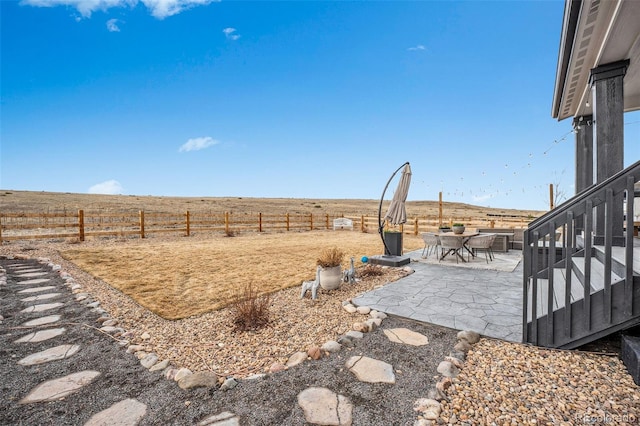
{"type": "Point", "coordinates": [386, 260]}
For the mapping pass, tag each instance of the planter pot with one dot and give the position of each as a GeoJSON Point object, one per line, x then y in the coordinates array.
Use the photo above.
{"type": "Point", "coordinates": [331, 277]}
{"type": "Point", "coordinates": [393, 240]}
{"type": "Point", "coordinates": [458, 229]}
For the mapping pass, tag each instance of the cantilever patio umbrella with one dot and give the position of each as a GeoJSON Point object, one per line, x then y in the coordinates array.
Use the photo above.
{"type": "Point", "coordinates": [397, 213]}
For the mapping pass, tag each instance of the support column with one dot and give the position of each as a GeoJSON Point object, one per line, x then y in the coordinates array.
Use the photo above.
{"type": "Point", "coordinates": [583, 127]}
{"type": "Point", "coordinates": [608, 110]}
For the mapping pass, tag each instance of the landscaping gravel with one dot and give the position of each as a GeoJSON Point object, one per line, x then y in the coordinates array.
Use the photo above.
{"type": "Point", "coordinates": [507, 383]}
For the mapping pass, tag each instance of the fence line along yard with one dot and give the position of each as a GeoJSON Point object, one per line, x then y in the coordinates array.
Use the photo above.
{"type": "Point", "coordinates": [80, 225]}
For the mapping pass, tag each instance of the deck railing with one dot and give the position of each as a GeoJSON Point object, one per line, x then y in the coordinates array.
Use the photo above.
{"type": "Point", "coordinates": [555, 241]}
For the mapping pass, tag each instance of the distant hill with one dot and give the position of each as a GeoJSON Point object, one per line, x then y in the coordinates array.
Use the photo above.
{"type": "Point", "coordinates": [33, 201]}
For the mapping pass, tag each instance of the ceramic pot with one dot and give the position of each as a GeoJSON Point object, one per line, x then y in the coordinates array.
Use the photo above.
{"type": "Point", "coordinates": [331, 277]}
{"type": "Point", "coordinates": [458, 229]}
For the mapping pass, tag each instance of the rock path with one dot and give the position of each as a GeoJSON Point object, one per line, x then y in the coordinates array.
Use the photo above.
{"type": "Point", "coordinates": [40, 282]}
{"type": "Point", "coordinates": [126, 412]}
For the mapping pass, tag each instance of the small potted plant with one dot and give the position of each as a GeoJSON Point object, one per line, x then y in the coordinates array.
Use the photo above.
{"type": "Point", "coordinates": [443, 228]}
{"type": "Point", "coordinates": [458, 228]}
{"type": "Point", "coordinates": [330, 262]}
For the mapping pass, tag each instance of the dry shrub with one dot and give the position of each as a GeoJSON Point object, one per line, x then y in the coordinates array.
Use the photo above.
{"type": "Point", "coordinates": [370, 271]}
{"type": "Point", "coordinates": [251, 310]}
{"type": "Point", "coordinates": [330, 257]}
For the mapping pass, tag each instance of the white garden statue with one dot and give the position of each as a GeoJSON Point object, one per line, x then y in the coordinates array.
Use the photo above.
{"type": "Point", "coordinates": [350, 274]}
{"type": "Point", "coordinates": [311, 285]}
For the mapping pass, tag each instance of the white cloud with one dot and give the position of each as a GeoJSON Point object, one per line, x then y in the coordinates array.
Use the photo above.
{"type": "Point", "coordinates": [159, 8]}
{"type": "Point", "coordinates": [84, 7]}
{"type": "Point", "coordinates": [196, 144]}
{"type": "Point", "coordinates": [109, 187]}
{"type": "Point", "coordinates": [230, 33]}
{"type": "Point", "coordinates": [418, 47]}
{"type": "Point", "coordinates": [112, 25]}
{"type": "Point", "coordinates": [163, 8]}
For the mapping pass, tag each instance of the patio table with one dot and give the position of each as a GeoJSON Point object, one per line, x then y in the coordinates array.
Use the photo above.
{"type": "Point", "coordinates": [465, 238]}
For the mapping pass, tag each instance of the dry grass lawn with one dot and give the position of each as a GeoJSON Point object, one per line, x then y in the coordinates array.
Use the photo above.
{"type": "Point", "coordinates": [186, 277]}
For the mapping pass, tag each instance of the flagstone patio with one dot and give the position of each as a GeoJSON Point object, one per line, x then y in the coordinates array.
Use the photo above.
{"type": "Point", "coordinates": [457, 296]}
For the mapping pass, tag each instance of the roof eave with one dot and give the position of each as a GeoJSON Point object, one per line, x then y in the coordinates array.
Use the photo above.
{"type": "Point", "coordinates": [569, 26]}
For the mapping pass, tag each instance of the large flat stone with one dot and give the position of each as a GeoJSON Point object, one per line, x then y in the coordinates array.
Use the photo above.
{"type": "Point", "coordinates": [127, 412]}
{"type": "Point", "coordinates": [37, 289]}
{"type": "Point", "coordinates": [40, 297]}
{"type": "Point", "coordinates": [27, 270]}
{"type": "Point", "coordinates": [51, 354]}
{"type": "Point", "coordinates": [30, 274]}
{"type": "Point", "coordinates": [42, 321]}
{"type": "Point", "coordinates": [52, 390]}
{"type": "Point", "coordinates": [371, 370]}
{"type": "Point", "coordinates": [406, 336]}
{"type": "Point", "coordinates": [42, 335]}
{"type": "Point", "coordinates": [323, 407]}
{"type": "Point", "coordinates": [40, 308]}
{"type": "Point", "coordinates": [35, 281]}
{"type": "Point", "coordinates": [19, 266]}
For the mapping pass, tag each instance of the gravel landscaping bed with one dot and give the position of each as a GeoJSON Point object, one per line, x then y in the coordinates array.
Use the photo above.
{"type": "Point", "coordinates": [271, 399]}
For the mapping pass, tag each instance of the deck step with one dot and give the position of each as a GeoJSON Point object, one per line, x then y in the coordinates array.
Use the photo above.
{"type": "Point", "coordinates": [597, 273]}
{"type": "Point", "coordinates": [577, 292]}
{"type": "Point", "coordinates": [617, 257]}
{"type": "Point", "coordinates": [577, 289]}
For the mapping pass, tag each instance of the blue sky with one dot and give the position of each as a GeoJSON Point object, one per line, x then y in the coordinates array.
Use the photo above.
{"type": "Point", "coordinates": [301, 99]}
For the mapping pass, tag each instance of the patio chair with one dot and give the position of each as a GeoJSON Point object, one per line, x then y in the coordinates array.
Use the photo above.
{"type": "Point", "coordinates": [482, 242]}
{"type": "Point", "coordinates": [431, 243]}
{"type": "Point", "coordinates": [451, 245]}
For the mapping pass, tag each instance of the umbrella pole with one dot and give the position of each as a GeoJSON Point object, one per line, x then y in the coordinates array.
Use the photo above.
{"type": "Point", "coordinates": [380, 224]}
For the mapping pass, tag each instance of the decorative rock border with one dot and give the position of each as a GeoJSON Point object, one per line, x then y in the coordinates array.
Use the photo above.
{"type": "Point", "coordinates": [359, 328]}
{"type": "Point", "coordinates": [429, 408]}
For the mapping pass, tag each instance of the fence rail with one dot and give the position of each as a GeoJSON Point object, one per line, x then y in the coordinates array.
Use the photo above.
{"type": "Point", "coordinates": [80, 225]}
